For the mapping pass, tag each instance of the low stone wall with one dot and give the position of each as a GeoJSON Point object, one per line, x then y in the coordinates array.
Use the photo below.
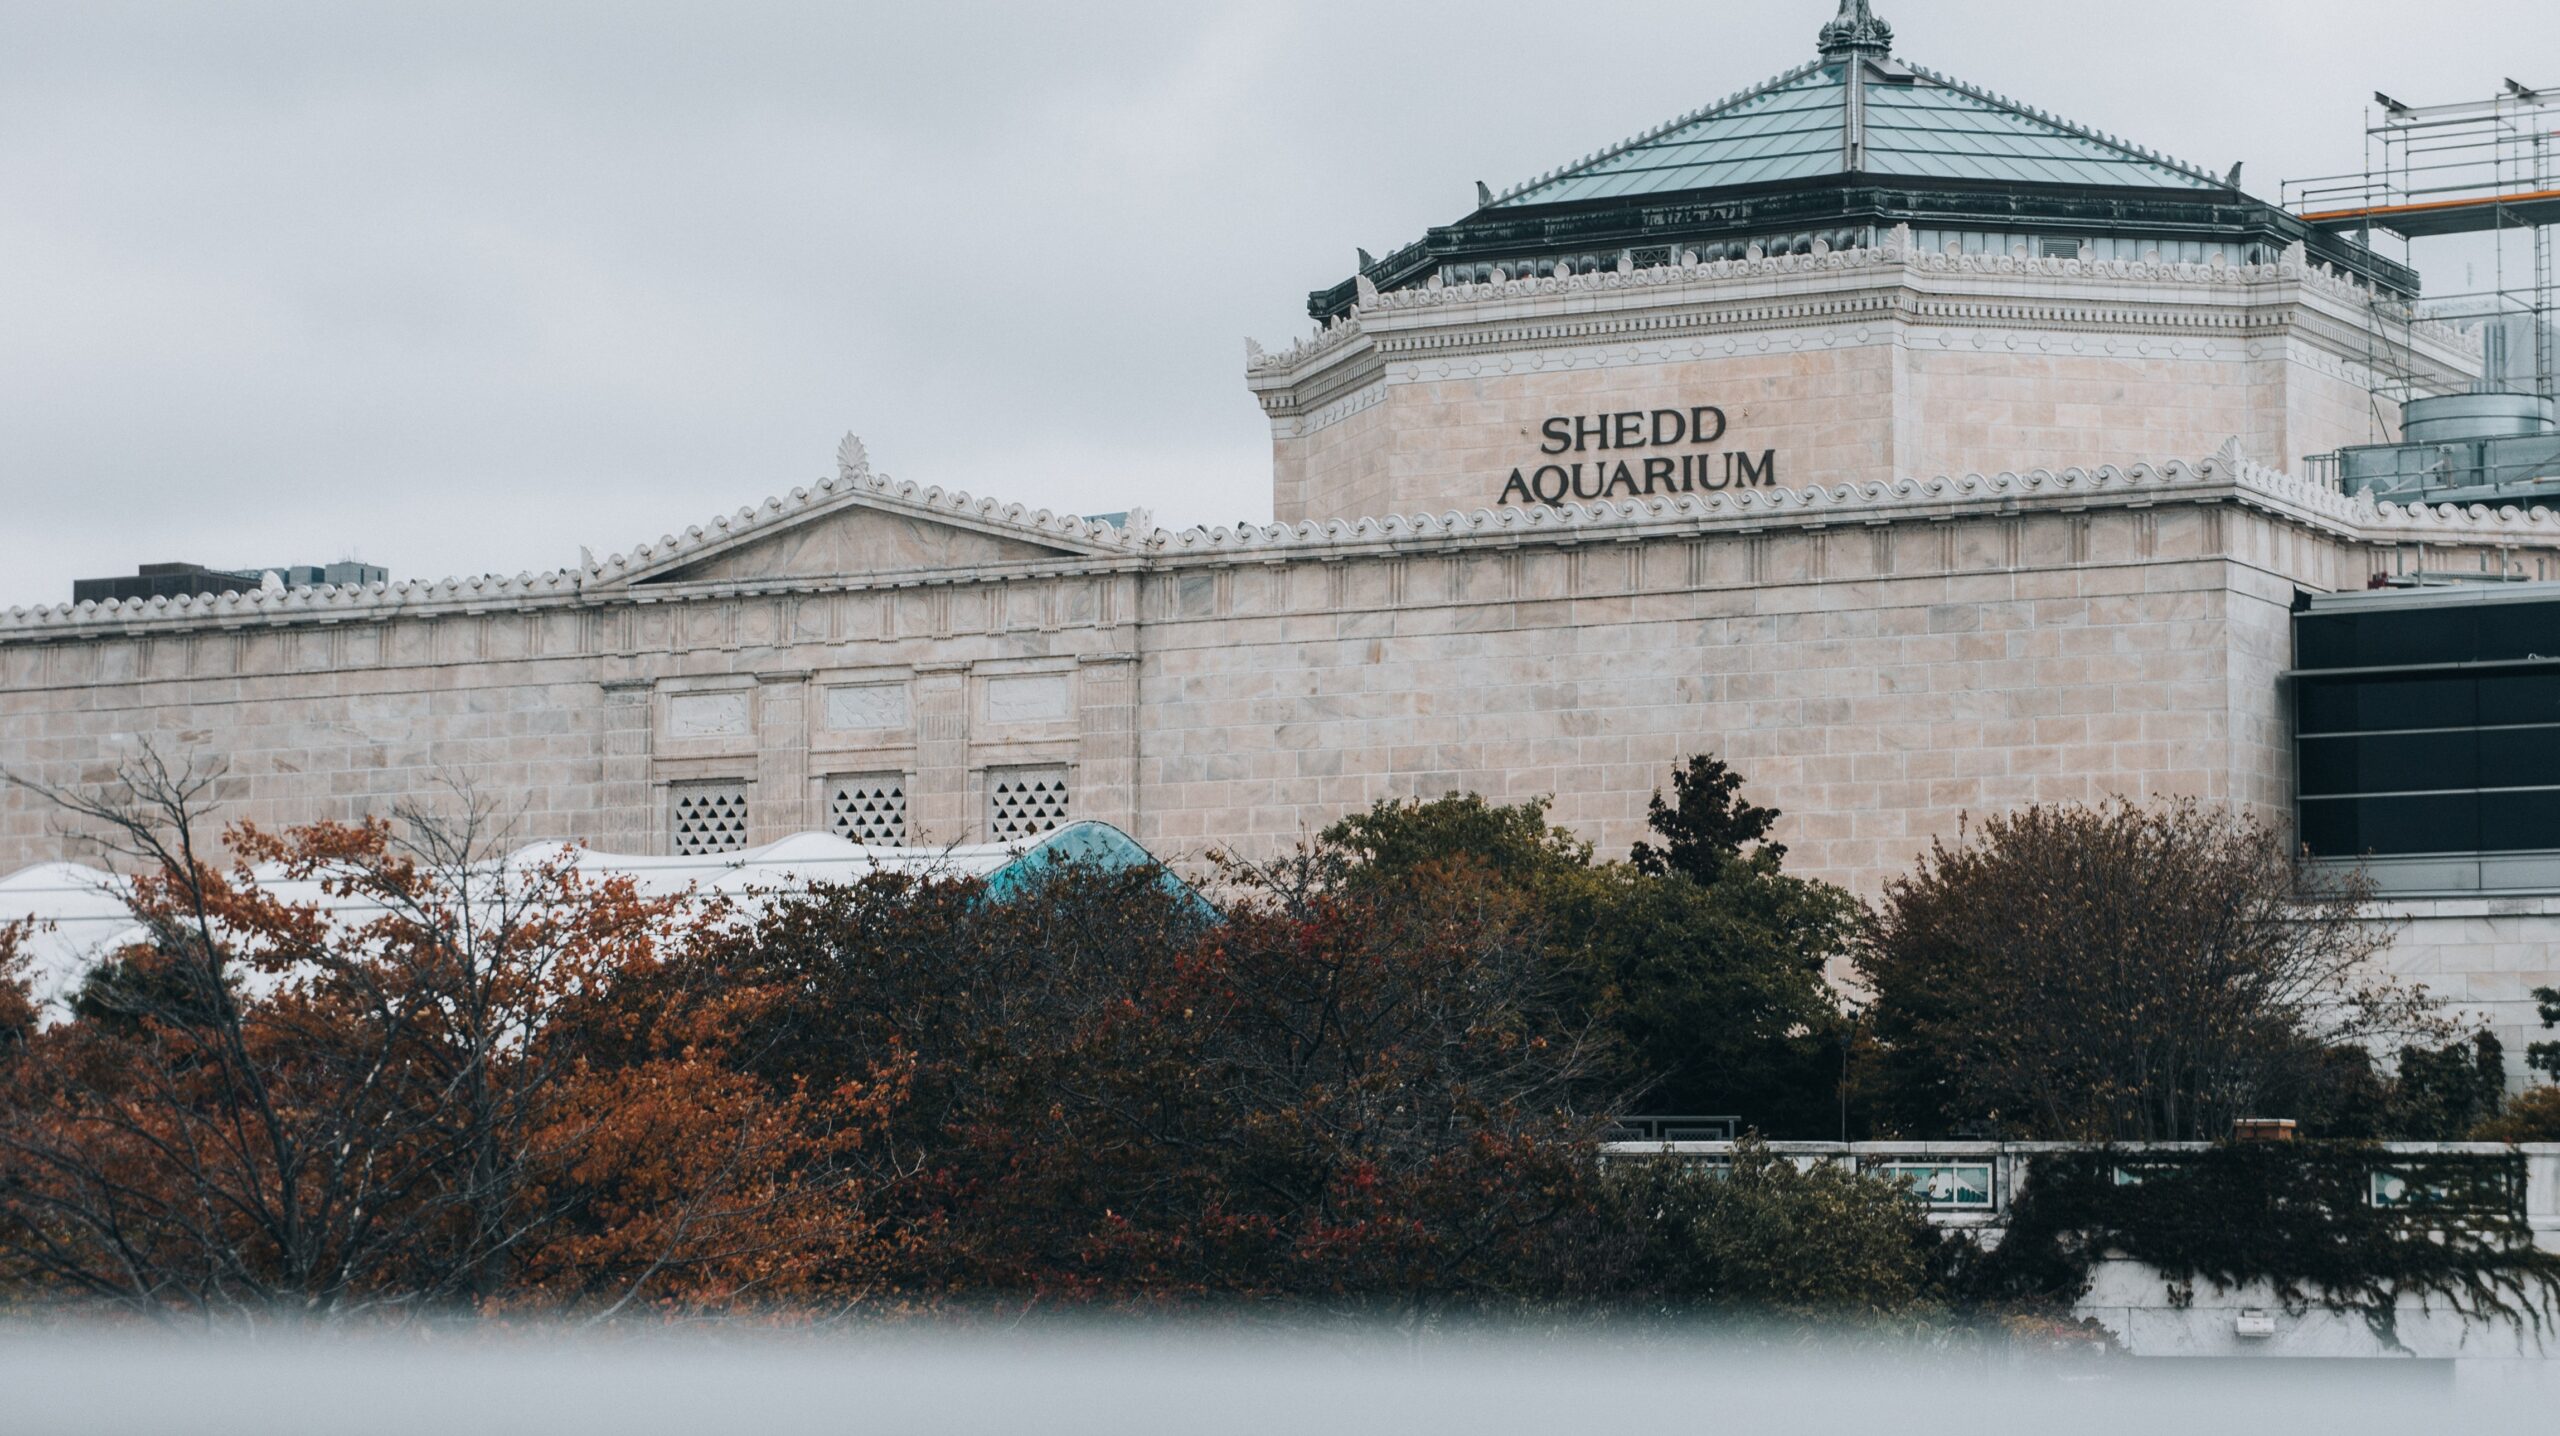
{"type": "Point", "coordinates": [1971, 1186]}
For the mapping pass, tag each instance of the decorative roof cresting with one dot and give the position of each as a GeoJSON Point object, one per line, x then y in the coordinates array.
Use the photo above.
{"type": "Point", "coordinates": [1895, 251]}
{"type": "Point", "coordinates": [2227, 475]}
{"type": "Point", "coordinates": [1856, 31]}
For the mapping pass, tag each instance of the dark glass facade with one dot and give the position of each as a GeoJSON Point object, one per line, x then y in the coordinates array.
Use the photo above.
{"type": "Point", "coordinates": [2428, 724]}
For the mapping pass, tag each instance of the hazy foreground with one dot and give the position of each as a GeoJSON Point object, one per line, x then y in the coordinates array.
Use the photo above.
{"type": "Point", "coordinates": [1123, 1381]}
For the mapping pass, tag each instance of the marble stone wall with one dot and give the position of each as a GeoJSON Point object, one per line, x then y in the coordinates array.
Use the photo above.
{"type": "Point", "coordinates": [1875, 681]}
{"type": "Point", "coordinates": [2485, 955]}
{"type": "Point", "coordinates": [1874, 684]}
{"type": "Point", "coordinates": [1877, 672]}
{"type": "Point", "coordinates": [1843, 366]}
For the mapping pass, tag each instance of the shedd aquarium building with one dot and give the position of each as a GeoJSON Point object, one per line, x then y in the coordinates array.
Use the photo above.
{"type": "Point", "coordinates": [1920, 451]}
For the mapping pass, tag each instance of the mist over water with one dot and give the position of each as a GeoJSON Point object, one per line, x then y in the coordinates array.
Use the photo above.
{"type": "Point", "coordinates": [1140, 1380]}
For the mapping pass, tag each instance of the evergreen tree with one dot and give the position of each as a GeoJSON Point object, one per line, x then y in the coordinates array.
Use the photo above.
{"type": "Point", "coordinates": [1705, 831]}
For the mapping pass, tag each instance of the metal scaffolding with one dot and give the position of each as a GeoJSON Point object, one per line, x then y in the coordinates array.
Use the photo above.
{"type": "Point", "coordinates": [2482, 167]}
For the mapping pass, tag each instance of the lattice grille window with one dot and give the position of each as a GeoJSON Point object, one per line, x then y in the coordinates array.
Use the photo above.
{"type": "Point", "coordinates": [869, 810]}
{"type": "Point", "coordinates": [1025, 802]}
{"type": "Point", "coordinates": [708, 818]}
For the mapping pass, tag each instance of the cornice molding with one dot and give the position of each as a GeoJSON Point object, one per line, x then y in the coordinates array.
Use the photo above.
{"type": "Point", "coordinates": [2226, 477]}
{"type": "Point", "coordinates": [2217, 479]}
{"type": "Point", "coordinates": [1887, 279]}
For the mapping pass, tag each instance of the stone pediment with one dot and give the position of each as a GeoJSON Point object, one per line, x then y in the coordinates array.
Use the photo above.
{"type": "Point", "coordinates": [852, 540]}
{"type": "Point", "coordinates": [859, 525]}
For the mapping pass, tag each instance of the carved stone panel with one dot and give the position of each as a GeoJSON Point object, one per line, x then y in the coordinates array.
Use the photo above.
{"type": "Point", "coordinates": [692, 716]}
{"type": "Point", "coordinates": [866, 707]}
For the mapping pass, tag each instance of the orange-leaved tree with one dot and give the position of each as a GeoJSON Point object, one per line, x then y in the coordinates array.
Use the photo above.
{"type": "Point", "coordinates": [374, 1067]}
{"type": "Point", "coordinates": [1364, 1093]}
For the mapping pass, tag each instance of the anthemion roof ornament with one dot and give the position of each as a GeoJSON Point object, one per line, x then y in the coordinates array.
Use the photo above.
{"type": "Point", "coordinates": [1856, 31]}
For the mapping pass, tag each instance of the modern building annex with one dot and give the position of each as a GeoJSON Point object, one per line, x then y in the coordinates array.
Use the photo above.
{"type": "Point", "coordinates": [1919, 451]}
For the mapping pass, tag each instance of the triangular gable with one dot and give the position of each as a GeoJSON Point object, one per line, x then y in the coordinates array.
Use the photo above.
{"type": "Point", "coordinates": [857, 525]}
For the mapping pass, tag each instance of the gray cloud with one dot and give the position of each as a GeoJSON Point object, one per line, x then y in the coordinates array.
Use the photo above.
{"type": "Point", "coordinates": [459, 287]}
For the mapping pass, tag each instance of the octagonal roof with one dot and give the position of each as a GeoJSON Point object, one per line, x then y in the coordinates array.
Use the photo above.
{"type": "Point", "coordinates": [1856, 111]}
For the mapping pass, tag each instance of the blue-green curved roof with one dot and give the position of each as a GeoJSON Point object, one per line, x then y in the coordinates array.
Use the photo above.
{"type": "Point", "coordinates": [1085, 844]}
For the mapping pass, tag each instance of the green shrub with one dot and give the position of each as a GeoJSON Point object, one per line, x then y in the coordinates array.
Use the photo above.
{"type": "Point", "coordinates": [2532, 1117]}
{"type": "Point", "coordinates": [1764, 1237]}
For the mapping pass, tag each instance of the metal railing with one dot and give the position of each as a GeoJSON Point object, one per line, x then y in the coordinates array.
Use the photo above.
{"type": "Point", "coordinates": [1677, 1129]}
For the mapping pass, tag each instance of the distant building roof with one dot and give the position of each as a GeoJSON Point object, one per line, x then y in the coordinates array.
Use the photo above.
{"type": "Point", "coordinates": [78, 914]}
{"type": "Point", "coordinates": [183, 580]}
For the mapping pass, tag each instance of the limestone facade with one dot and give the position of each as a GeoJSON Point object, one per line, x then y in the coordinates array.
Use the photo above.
{"type": "Point", "coordinates": [1824, 369]}
{"type": "Point", "coordinates": [1880, 659]}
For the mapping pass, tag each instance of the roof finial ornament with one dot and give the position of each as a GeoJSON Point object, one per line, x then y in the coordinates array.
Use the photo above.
{"type": "Point", "coordinates": [1856, 31]}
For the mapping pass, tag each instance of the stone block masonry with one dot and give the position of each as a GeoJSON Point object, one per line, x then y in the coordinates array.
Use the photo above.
{"type": "Point", "coordinates": [1822, 369]}
{"type": "Point", "coordinates": [1879, 659]}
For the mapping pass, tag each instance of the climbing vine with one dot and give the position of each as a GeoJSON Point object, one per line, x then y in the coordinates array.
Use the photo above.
{"type": "Point", "coordinates": [2348, 1227]}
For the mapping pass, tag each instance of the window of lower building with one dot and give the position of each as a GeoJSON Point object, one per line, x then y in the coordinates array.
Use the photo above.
{"type": "Point", "coordinates": [1025, 802]}
{"type": "Point", "coordinates": [2427, 725]}
{"type": "Point", "coordinates": [2392, 827]}
{"type": "Point", "coordinates": [2430, 1187]}
{"type": "Point", "coordinates": [1944, 1185]}
{"type": "Point", "coordinates": [870, 809]}
{"type": "Point", "coordinates": [707, 818]}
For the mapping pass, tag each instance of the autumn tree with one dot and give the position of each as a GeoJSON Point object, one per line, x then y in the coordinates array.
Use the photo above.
{"type": "Point", "coordinates": [17, 992]}
{"type": "Point", "coordinates": [356, 1069]}
{"type": "Point", "coordinates": [1013, 1021]}
{"type": "Point", "coordinates": [1333, 1092]}
{"type": "Point", "coordinates": [1704, 961]}
{"type": "Point", "coordinates": [2124, 973]}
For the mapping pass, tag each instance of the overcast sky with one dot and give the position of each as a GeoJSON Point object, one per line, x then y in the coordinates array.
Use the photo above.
{"type": "Point", "coordinates": [459, 287]}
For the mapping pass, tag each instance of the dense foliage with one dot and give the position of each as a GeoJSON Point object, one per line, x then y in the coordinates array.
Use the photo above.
{"type": "Point", "coordinates": [1376, 1078]}
{"type": "Point", "coordinates": [2123, 973]}
{"type": "Point", "coordinates": [1766, 1236]}
{"type": "Point", "coordinates": [1332, 1094]}
{"type": "Point", "coordinates": [1711, 990]}
{"type": "Point", "coordinates": [2442, 1093]}
{"type": "Point", "coordinates": [2533, 1116]}
{"type": "Point", "coordinates": [2344, 1225]}
{"type": "Point", "coordinates": [418, 1089]}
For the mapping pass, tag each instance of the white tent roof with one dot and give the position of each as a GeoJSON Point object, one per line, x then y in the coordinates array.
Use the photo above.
{"type": "Point", "coordinates": [79, 912]}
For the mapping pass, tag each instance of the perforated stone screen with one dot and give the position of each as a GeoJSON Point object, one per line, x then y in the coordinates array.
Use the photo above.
{"type": "Point", "coordinates": [871, 810]}
{"type": "Point", "coordinates": [708, 818]}
{"type": "Point", "coordinates": [1025, 802]}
